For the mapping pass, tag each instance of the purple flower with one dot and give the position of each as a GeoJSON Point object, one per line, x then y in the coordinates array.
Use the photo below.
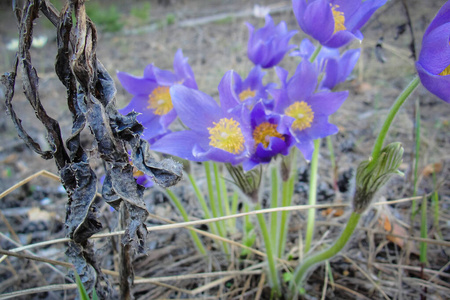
{"type": "Point", "coordinates": [433, 65]}
{"type": "Point", "coordinates": [151, 94]}
{"type": "Point", "coordinates": [216, 132]}
{"type": "Point", "coordinates": [308, 111]}
{"type": "Point", "coordinates": [143, 179]}
{"type": "Point", "coordinates": [271, 133]}
{"type": "Point", "coordinates": [334, 23]}
{"type": "Point", "coordinates": [244, 92]}
{"type": "Point", "coordinates": [268, 45]}
{"type": "Point", "coordinates": [336, 68]}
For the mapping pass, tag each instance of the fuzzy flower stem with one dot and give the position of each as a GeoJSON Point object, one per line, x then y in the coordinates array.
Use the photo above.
{"type": "Point", "coordinates": [315, 53]}
{"type": "Point", "coordinates": [390, 117]}
{"type": "Point", "coordinates": [312, 196]}
{"type": "Point", "coordinates": [312, 180]}
{"type": "Point", "coordinates": [287, 201]}
{"type": "Point", "coordinates": [273, 275]}
{"type": "Point", "coordinates": [214, 205]}
{"type": "Point", "coordinates": [327, 254]}
{"type": "Point", "coordinates": [274, 220]}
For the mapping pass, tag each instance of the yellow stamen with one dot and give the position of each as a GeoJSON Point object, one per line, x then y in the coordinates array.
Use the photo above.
{"type": "Point", "coordinates": [339, 19]}
{"type": "Point", "coordinates": [137, 173]}
{"type": "Point", "coordinates": [302, 113]}
{"type": "Point", "coordinates": [160, 101]}
{"type": "Point", "coordinates": [227, 135]}
{"type": "Point", "coordinates": [245, 94]}
{"type": "Point", "coordinates": [446, 71]}
{"type": "Point", "coordinates": [264, 131]}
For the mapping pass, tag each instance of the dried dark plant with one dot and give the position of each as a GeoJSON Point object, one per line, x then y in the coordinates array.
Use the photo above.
{"type": "Point", "coordinates": [90, 98]}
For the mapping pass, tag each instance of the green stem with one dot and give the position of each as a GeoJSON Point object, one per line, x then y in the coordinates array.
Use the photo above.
{"type": "Point", "coordinates": [435, 198]}
{"type": "Point", "coordinates": [214, 205]}
{"type": "Point", "coordinates": [333, 161]}
{"type": "Point", "coordinates": [391, 115]}
{"type": "Point", "coordinates": [423, 231]}
{"type": "Point", "coordinates": [203, 204]}
{"type": "Point", "coordinates": [274, 204]}
{"type": "Point", "coordinates": [218, 189]}
{"type": "Point", "coordinates": [226, 203]}
{"type": "Point", "coordinates": [300, 272]}
{"type": "Point", "coordinates": [273, 275]}
{"type": "Point", "coordinates": [315, 53]}
{"type": "Point", "coordinates": [288, 191]}
{"type": "Point", "coordinates": [185, 216]}
{"type": "Point", "coordinates": [234, 206]}
{"type": "Point", "coordinates": [200, 197]}
{"type": "Point", "coordinates": [416, 162]}
{"type": "Point", "coordinates": [312, 196]}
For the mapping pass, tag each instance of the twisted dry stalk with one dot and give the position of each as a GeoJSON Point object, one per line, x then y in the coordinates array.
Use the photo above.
{"type": "Point", "coordinates": [90, 98]}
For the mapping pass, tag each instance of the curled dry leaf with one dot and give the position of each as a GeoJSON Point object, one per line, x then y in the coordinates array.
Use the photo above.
{"type": "Point", "coordinates": [90, 98]}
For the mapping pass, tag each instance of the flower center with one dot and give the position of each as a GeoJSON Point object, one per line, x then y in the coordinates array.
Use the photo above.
{"type": "Point", "coordinates": [446, 71]}
{"type": "Point", "coordinates": [245, 94]}
{"type": "Point", "coordinates": [264, 131]}
{"type": "Point", "coordinates": [339, 18]}
{"type": "Point", "coordinates": [160, 101]}
{"type": "Point", "coordinates": [302, 113]}
{"type": "Point", "coordinates": [227, 135]}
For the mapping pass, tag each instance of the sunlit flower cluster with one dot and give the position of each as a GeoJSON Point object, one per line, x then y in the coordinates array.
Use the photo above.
{"type": "Point", "coordinates": [253, 120]}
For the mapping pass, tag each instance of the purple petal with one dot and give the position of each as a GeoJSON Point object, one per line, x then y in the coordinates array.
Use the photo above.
{"type": "Point", "coordinates": [327, 103]}
{"type": "Point", "coordinates": [282, 75]}
{"type": "Point", "coordinates": [219, 155]}
{"type": "Point", "coordinates": [307, 148]}
{"type": "Point", "coordinates": [362, 15]}
{"type": "Point", "coordinates": [320, 128]}
{"type": "Point", "coordinates": [299, 8]}
{"type": "Point", "coordinates": [318, 20]}
{"type": "Point", "coordinates": [148, 72]}
{"type": "Point", "coordinates": [303, 83]}
{"type": "Point", "coordinates": [153, 127]}
{"type": "Point", "coordinates": [435, 53]}
{"type": "Point", "coordinates": [347, 63]}
{"type": "Point", "coordinates": [347, 7]}
{"type": "Point", "coordinates": [183, 70]}
{"type": "Point", "coordinates": [196, 109]}
{"type": "Point", "coordinates": [136, 85]}
{"type": "Point", "coordinates": [442, 17]}
{"type": "Point", "coordinates": [254, 78]}
{"type": "Point", "coordinates": [339, 39]}
{"type": "Point", "coordinates": [180, 143]}
{"type": "Point", "coordinates": [138, 104]}
{"type": "Point", "coordinates": [331, 74]}
{"type": "Point", "coordinates": [228, 98]}
{"type": "Point", "coordinates": [249, 164]}
{"type": "Point", "coordinates": [164, 77]}
{"type": "Point", "coordinates": [436, 84]}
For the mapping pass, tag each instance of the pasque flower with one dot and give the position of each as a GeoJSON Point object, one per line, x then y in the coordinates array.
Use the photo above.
{"type": "Point", "coordinates": [268, 45]}
{"type": "Point", "coordinates": [309, 111]}
{"type": "Point", "coordinates": [335, 67]}
{"type": "Point", "coordinates": [216, 132]}
{"type": "Point", "coordinates": [271, 133]}
{"type": "Point", "coordinates": [433, 65]}
{"type": "Point", "coordinates": [235, 92]}
{"type": "Point", "coordinates": [151, 97]}
{"type": "Point", "coordinates": [251, 89]}
{"type": "Point", "coordinates": [334, 23]}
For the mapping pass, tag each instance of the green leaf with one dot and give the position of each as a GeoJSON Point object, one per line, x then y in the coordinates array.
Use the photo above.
{"type": "Point", "coordinates": [81, 289]}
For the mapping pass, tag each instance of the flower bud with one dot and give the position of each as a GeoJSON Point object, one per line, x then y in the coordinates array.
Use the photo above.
{"type": "Point", "coordinates": [372, 175]}
{"type": "Point", "coordinates": [248, 182]}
